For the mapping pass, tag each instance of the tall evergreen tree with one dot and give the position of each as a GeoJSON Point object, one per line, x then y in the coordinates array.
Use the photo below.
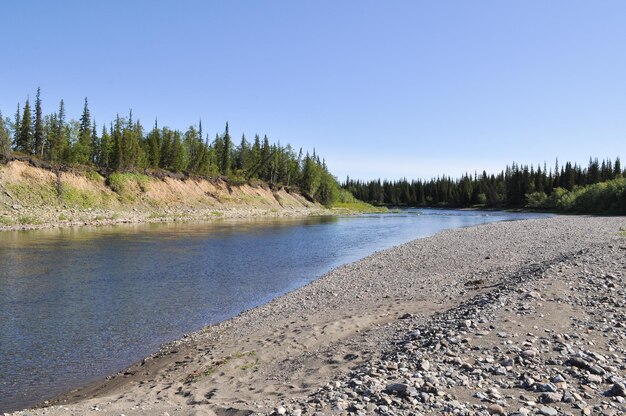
{"type": "Point", "coordinates": [154, 146]}
{"type": "Point", "coordinates": [179, 156]}
{"type": "Point", "coordinates": [25, 138]}
{"type": "Point", "coordinates": [244, 150]}
{"type": "Point", "coordinates": [264, 172]}
{"type": "Point", "coordinates": [106, 147]}
{"type": "Point", "coordinates": [84, 147]}
{"type": "Point", "coordinates": [59, 145]}
{"type": "Point", "coordinates": [97, 144]}
{"type": "Point", "coordinates": [117, 148]}
{"type": "Point", "coordinates": [38, 133]}
{"type": "Point", "coordinates": [226, 152]}
{"type": "Point", "coordinates": [17, 127]}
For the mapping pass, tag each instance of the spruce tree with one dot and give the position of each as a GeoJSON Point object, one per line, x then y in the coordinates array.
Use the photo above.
{"type": "Point", "coordinates": [84, 147]}
{"type": "Point", "coordinates": [244, 149]}
{"type": "Point", "coordinates": [25, 138]}
{"type": "Point", "coordinates": [117, 148]}
{"type": "Point", "coordinates": [179, 163]}
{"type": "Point", "coordinates": [60, 143]}
{"type": "Point", "coordinates": [17, 127]}
{"type": "Point", "coordinates": [226, 161]}
{"type": "Point", "coordinates": [38, 133]}
{"type": "Point", "coordinates": [264, 173]}
{"type": "Point", "coordinates": [105, 149]}
{"type": "Point", "coordinates": [166, 149]}
{"type": "Point", "coordinates": [97, 144]}
{"type": "Point", "coordinates": [154, 146]}
{"type": "Point", "coordinates": [256, 153]}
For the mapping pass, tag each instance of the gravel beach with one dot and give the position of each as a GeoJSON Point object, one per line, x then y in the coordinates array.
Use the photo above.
{"type": "Point", "coordinates": [523, 317]}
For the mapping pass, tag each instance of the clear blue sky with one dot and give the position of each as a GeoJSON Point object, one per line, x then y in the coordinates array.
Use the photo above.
{"type": "Point", "coordinates": [379, 88]}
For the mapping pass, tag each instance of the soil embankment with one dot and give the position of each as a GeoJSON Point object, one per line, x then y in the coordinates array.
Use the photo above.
{"type": "Point", "coordinates": [510, 318]}
{"type": "Point", "coordinates": [33, 197]}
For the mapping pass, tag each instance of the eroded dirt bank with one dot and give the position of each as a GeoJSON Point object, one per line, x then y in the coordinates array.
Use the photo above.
{"type": "Point", "coordinates": [34, 198]}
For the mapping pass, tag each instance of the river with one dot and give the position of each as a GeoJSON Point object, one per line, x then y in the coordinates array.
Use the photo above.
{"type": "Point", "coordinates": [79, 304]}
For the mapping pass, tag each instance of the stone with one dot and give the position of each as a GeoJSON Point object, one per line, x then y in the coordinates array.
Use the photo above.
{"type": "Point", "coordinates": [546, 387]}
{"type": "Point", "coordinates": [548, 411]}
{"type": "Point", "coordinates": [550, 397]}
{"type": "Point", "coordinates": [397, 388]}
{"type": "Point", "coordinates": [618, 389]}
{"type": "Point", "coordinates": [496, 409]}
{"type": "Point", "coordinates": [530, 353]}
{"type": "Point", "coordinates": [577, 362]}
{"type": "Point", "coordinates": [593, 378]}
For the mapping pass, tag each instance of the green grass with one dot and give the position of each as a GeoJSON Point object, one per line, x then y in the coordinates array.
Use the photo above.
{"type": "Point", "coordinates": [82, 199]}
{"type": "Point", "coordinates": [28, 220]}
{"type": "Point", "coordinates": [94, 176]}
{"type": "Point", "coordinates": [5, 220]}
{"type": "Point", "coordinates": [358, 206]}
{"type": "Point", "coordinates": [39, 193]}
{"type": "Point", "coordinates": [346, 202]}
{"type": "Point", "coordinates": [121, 182]}
{"type": "Point", "coordinates": [622, 231]}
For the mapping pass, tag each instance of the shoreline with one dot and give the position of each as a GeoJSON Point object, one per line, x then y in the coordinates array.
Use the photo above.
{"type": "Point", "coordinates": [98, 218]}
{"type": "Point", "coordinates": [282, 352]}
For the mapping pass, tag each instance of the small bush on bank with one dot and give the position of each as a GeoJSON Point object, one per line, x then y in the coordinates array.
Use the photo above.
{"type": "Point", "coordinates": [601, 198]}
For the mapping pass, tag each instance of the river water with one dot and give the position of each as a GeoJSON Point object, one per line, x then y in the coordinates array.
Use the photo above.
{"type": "Point", "coordinates": [79, 304]}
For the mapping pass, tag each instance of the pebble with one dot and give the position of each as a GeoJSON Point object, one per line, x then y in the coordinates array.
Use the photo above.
{"type": "Point", "coordinates": [548, 411]}
{"type": "Point", "coordinates": [496, 409]}
{"type": "Point", "coordinates": [543, 368]}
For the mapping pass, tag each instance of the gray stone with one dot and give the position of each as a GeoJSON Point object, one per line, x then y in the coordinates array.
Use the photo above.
{"type": "Point", "coordinates": [397, 388]}
{"type": "Point", "coordinates": [618, 389]}
{"type": "Point", "coordinates": [550, 397]}
{"type": "Point", "coordinates": [548, 411]}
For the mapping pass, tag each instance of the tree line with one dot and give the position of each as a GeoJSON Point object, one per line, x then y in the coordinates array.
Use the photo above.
{"type": "Point", "coordinates": [517, 186]}
{"type": "Point", "coordinates": [124, 144]}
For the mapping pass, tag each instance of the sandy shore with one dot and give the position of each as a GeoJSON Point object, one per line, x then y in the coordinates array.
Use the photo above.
{"type": "Point", "coordinates": [521, 317]}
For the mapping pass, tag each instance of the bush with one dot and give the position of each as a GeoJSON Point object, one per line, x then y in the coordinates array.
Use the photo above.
{"type": "Point", "coordinates": [536, 200]}
{"type": "Point", "coordinates": [120, 182]}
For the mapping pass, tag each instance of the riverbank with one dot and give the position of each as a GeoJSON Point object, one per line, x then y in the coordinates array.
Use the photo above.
{"type": "Point", "coordinates": [479, 292]}
{"type": "Point", "coordinates": [35, 198]}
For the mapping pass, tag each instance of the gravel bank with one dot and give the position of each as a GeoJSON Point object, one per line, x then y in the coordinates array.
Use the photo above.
{"type": "Point", "coordinates": [46, 218]}
{"type": "Point", "coordinates": [515, 317]}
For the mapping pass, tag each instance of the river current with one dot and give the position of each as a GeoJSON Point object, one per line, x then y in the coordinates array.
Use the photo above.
{"type": "Point", "coordinates": [79, 304]}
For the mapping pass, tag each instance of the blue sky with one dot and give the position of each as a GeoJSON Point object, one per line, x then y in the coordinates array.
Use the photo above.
{"type": "Point", "coordinates": [380, 88]}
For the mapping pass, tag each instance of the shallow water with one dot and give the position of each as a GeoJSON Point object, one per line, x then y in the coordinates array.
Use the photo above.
{"type": "Point", "coordinates": [79, 304]}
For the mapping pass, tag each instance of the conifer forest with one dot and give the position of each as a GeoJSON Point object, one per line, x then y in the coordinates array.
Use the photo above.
{"type": "Point", "coordinates": [124, 144]}
{"type": "Point", "coordinates": [598, 188]}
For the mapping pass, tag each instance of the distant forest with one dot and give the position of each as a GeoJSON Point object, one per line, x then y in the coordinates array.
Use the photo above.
{"type": "Point", "coordinates": [598, 188]}
{"type": "Point", "coordinates": [126, 145]}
